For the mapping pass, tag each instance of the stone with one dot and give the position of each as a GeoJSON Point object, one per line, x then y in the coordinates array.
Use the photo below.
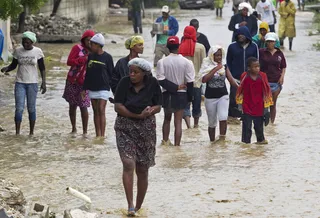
{"type": "Point", "coordinates": [77, 213]}
{"type": "Point", "coordinates": [39, 210]}
{"type": "Point", "coordinates": [2, 129]}
{"type": "Point", "coordinates": [3, 214]}
{"type": "Point", "coordinates": [116, 6]}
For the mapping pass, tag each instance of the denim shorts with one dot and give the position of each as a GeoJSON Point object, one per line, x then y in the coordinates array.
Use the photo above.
{"type": "Point", "coordinates": [103, 94]}
{"type": "Point", "coordinates": [275, 87]}
{"type": "Point", "coordinates": [196, 104]}
{"type": "Point", "coordinates": [23, 91]}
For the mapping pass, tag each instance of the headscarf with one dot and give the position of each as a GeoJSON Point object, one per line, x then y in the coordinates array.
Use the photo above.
{"type": "Point", "coordinates": [141, 63]}
{"type": "Point", "coordinates": [267, 95]}
{"type": "Point", "coordinates": [30, 35]}
{"type": "Point", "coordinates": [87, 33]}
{"type": "Point", "coordinates": [246, 5]}
{"type": "Point", "coordinates": [188, 43]}
{"type": "Point", "coordinates": [208, 63]}
{"type": "Point", "coordinates": [132, 41]}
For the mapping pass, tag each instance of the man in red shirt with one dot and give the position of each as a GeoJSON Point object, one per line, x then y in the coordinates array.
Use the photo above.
{"type": "Point", "coordinates": [254, 95]}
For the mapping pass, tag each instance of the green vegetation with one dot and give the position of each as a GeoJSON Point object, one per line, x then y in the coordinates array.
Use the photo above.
{"type": "Point", "coordinates": [316, 26]}
{"type": "Point", "coordinates": [170, 3]}
{"type": "Point", "coordinates": [317, 46]}
{"type": "Point", "coordinates": [19, 8]}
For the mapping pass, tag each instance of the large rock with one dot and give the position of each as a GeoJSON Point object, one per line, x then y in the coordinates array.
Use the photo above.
{"type": "Point", "coordinates": [77, 213]}
{"type": "Point", "coordinates": [11, 199]}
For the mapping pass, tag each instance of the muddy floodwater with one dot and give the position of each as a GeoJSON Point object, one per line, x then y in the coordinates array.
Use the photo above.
{"type": "Point", "coordinates": [198, 179]}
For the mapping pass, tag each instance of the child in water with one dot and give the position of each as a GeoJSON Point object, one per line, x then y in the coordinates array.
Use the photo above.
{"type": "Point", "coordinates": [255, 98]}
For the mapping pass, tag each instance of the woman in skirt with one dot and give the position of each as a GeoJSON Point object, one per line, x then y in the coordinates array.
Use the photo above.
{"type": "Point", "coordinates": [137, 99]}
{"type": "Point", "coordinates": [77, 60]}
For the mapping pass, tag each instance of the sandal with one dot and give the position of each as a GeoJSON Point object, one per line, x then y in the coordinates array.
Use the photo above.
{"type": "Point", "coordinates": [131, 212]}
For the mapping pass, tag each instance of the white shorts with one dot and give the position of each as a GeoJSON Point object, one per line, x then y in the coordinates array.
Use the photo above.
{"type": "Point", "coordinates": [217, 109]}
{"type": "Point", "coordinates": [103, 94]}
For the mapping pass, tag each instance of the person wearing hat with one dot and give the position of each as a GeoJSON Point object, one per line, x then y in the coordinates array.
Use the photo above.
{"type": "Point", "coordinates": [97, 81]}
{"type": "Point", "coordinates": [170, 28]}
{"type": "Point", "coordinates": [137, 99]}
{"type": "Point", "coordinates": [176, 75]}
{"type": "Point", "coordinates": [287, 28]}
{"type": "Point", "coordinates": [267, 11]}
{"type": "Point", "coordinates": [260, 40]}
{"type": "Point", "coordinates": [135, 45]}
{"type": "Point", "coordinates": [27, 58]}
{"type": "Point", "coordinates": [273, 63]}
{"type": "Point", "coordinates": [77, 60]}
{"type": "Point", "coordinates": [243, 18]}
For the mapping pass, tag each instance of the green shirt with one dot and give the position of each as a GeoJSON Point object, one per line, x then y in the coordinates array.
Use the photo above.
{"type": "Point", "coordinates": [162, 39]}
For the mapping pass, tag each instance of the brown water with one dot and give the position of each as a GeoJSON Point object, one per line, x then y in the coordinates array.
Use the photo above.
{"type": "Point", "coordinates": [198, 179]}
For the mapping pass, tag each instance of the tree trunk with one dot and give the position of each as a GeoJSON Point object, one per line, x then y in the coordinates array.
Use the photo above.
{"type": "Point", "coordinates": [55, 7]}
{"type": "Point", "coordinates": [22, 18]}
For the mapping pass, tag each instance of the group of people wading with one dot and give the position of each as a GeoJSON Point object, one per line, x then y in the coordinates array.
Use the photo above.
{"type": "Point", "coordinates": [253, 64]}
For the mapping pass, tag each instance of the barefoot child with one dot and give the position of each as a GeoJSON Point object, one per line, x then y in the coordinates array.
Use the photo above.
{"type": "Point", "coordinates": [97, 81]}
{"type": "Point", "coordinates": [254, 95]}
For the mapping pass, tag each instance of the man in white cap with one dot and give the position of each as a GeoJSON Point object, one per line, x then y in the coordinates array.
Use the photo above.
{"type": "Point", "coordinates": [243, 18]}
{"type": "Point", "coordinates": [170, 28]}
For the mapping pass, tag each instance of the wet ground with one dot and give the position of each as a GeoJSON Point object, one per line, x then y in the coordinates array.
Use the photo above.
{"type": "Point", "coordinates": [198, 179]}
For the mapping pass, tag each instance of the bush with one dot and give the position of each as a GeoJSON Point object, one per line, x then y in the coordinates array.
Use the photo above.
{"type": "Point", "coordinates": [170, 3]}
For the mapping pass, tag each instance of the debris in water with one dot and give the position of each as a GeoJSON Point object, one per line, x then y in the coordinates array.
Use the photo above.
{"type": "Point", "coordinates": [78, 194]}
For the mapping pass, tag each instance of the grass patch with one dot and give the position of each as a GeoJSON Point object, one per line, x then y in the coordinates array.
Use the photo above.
{"type": "Point", "coordinates": [317, 46]}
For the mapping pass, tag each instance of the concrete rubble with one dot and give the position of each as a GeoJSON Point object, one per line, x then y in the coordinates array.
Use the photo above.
{"type": "Point", "coordinates": [45, 25]}
{"type": "Point", "coordinates": [77, 213]}
{"type": "Point", "coordinates": [12, 201]}
{"type": "Point", "coordinates": [14, 205]}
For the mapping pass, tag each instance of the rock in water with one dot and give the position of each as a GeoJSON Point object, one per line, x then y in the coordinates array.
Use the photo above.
{"type": "Point", "coordinates": [11, 199]}
{"type": "Point", "coordinates": [77, 213]}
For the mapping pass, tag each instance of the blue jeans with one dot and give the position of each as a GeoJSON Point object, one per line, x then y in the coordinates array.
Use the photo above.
{"type": "Point", "coordinates": [196, 105]}
{"type": "Point", "coordinates": [136, 21]}
{"type": "Point", "coordinates": [21, 91]}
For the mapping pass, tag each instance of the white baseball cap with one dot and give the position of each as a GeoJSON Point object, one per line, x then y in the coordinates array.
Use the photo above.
{"type": "Point", "coordinates": [271, 37]}
{"type": "Point", "coordinates": [99, 39]}
{"type": "Point", "coordinates": [165, 9]}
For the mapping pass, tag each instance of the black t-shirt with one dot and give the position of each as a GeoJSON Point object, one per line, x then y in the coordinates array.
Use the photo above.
{"type": "Point", "coordinates": [216, 87]}
{"type": "Point", "coordinates": [202, 39]}
{"type": "Point", "coordinates": [149, 95]}
{"type": "Point", "coordinates": [99, 72]}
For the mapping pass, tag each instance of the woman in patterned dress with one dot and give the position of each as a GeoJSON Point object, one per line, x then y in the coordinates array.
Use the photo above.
{"type": "Point", "coordinates": [73, 92]}
{"type": "Point", "coordinates": [138, 98]}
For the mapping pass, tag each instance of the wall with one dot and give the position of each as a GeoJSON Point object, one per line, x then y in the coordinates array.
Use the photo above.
{"type": "Point", "coordinates": [92, 10]}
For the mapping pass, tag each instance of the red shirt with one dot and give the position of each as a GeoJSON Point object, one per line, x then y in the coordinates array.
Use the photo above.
{"type": "Point", "coordinates": [253, 96]}
{"type": "Point", "coordinates": [272, 65]}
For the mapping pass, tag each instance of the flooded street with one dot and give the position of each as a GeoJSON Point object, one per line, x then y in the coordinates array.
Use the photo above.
{"type": "Point", "coordinates": [281, 179]}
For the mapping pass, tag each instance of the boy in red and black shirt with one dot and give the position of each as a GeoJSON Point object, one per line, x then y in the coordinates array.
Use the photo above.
{"type": "Point", "coordinates": [254, 95]}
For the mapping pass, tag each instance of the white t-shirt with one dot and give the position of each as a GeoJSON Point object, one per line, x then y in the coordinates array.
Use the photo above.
{"type": "Point", "coordinates": [177, 69]}
{"type": "Point", "coordinates": [265, 9]}
{"type": "Point", "coordinates": [27, 64]}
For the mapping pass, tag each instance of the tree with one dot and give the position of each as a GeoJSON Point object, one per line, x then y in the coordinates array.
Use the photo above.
{"type": "Point", "coordinates": [19, 8]}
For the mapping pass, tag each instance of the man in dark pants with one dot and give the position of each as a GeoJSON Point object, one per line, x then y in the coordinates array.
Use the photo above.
{"type": "Point", "coordinates": [201, 38]}
{"type": "Point", "coordinates": [136, 16]}
{"type": "Point", "coordinates": [237, 55]}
